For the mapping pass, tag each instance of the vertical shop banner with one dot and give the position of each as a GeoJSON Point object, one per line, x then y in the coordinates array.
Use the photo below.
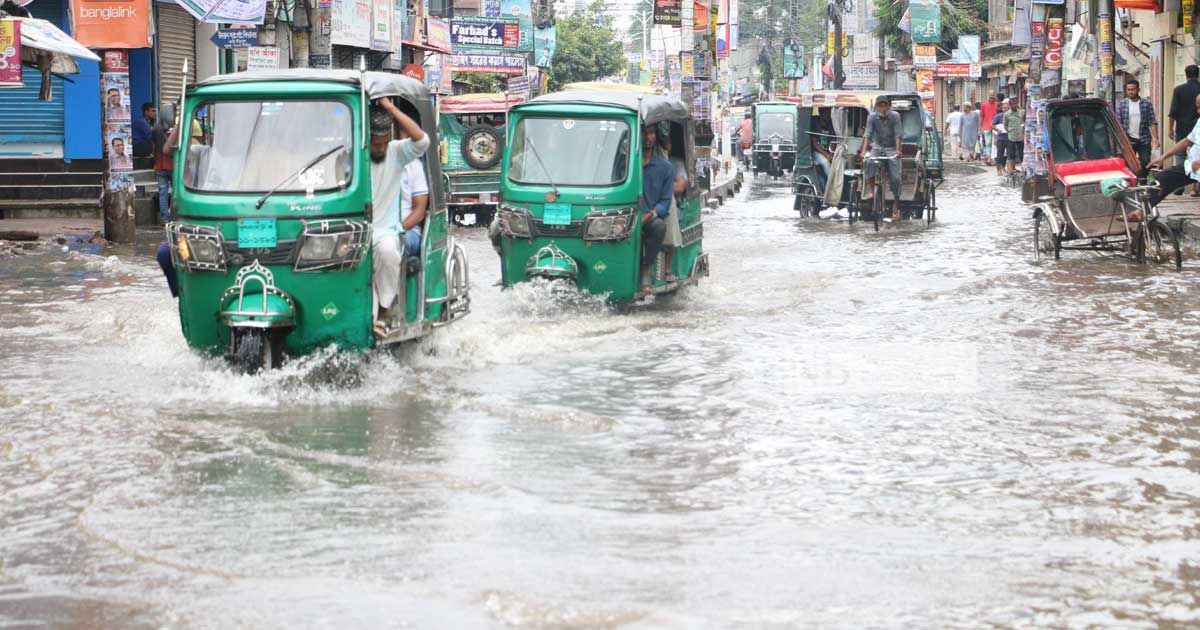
{"type": "Point", "coordinates": [1021, 33]}
{"type": "Point", "coordinates": [111, 23]}
{"type": "Point", "coordinates": [1037, 39]}
{"type": "Point", "coordinates": [1188, 7]}
{"type": "Point", "coordinates": [1054, 43]}
{"type": "Point", "coordinates": [545, 43]}
{"type": "Point", "coordinates": [226, 11]}
{"type": "Point", "coordinates": [10, 54]}
{"type": "Point", "coordinates": [437, 33]}
{"type": "Point", "coordinates": [733, 24]}
{"type": "Point", "coordinates": [667, 12]}
{"type": "Point", "coordinates": [793, 60]}
{"type": "Point", "coordinates": [399, 15]}
{"type": "Point", "coordinates": [924, 55]}
{"type": "Point", "coordinates": [970, 47]}
{"type": "Point", "coordinates": [520, 9]}
{"type": "Point", "coordinates": [350, 22]}
{"type": "Point", "coordinates": [926, 16]}
{"type": "Point", "coordinates": [846, 47]}
{"type": "Point", "coordinates": [381, 26]}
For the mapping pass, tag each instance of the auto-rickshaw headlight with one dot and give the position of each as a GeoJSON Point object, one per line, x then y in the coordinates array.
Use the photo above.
{"type": "Point", "coordinates": [514, 222]}
{"type": "Point", "coordinates": [196, 247]}
{"type": "Point", "coordinates": [332, 245]}
{"type": "Point", "coordinates": [611, 225]}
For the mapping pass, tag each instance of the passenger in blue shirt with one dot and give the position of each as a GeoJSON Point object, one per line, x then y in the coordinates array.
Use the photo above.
{"type": "Point", "coordinates": [658, 183]}
{"type": "Point", "coordinates": [142, 126]}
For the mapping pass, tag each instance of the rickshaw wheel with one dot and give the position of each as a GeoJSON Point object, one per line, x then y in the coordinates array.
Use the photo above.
{"type": "Point", "coordinates": [877, 203]}
{"type": "Point", "coordinates": [1159, 245]}
{"type": "Point", "coordinates": [256, 349]}
{"type": "Point", "coordinates": [930, 204]}
{"type": "Point", "coordinates": [1045, 240]}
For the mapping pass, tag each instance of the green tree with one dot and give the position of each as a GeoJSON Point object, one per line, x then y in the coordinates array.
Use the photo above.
{"type": "Point", "coordinates": [587, 48]}
{"type": "Point", "coordinates": [960, 17]}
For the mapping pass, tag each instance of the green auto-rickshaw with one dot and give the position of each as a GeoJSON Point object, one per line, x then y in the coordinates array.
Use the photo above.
{"type": "Point", "coordinates": [776, 133]}
{"type": "Point", "coordinates": [271, 233]}
{"type": "Point", "coordinates": [571, 188]}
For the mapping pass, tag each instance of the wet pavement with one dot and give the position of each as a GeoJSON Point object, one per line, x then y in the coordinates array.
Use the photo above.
{"type": "Point", "coordinates": [840, 428]}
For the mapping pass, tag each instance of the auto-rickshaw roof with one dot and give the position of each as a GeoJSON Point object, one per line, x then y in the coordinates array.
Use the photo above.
{"type": "Point", "coordinates": [655, 108]}
{"type": "Point", "coordinates": [482, 103]}
{"type": "Point", "coordinates": [1082, 103]}
{"type": "Point", "coordinates": [377, 84]}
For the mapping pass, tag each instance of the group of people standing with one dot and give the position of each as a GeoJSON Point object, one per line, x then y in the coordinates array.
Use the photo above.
{"type": "Point", "coordinates": [982, 131]}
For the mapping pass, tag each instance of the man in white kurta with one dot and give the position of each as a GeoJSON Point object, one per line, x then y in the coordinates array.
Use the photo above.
{"type": "Point", "coordinates": [388, 159]}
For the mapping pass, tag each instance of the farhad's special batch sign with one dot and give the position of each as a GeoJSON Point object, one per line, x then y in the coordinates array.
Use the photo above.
{"type": "Point", "coordinates": [484, 33]}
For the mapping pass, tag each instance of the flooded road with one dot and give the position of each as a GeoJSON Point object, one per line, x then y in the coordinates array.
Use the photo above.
{"type": "Point", "coordinates": [840, 428]}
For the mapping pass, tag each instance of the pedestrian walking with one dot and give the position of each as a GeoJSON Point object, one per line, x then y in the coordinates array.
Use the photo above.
{"type": "Point", "coordinates": [953, 130]}
{"type": "Point", "coordinates": [969, 129]}
{"type": "Point", "coordinates": [1014, 123]}
{"type": "Point", "coordinates": [1182, 117]}
{"type": "Point", "coordinates": [987, 113]}
{"type": "Point", "coordinates": [999, 139]}
{"type": "Point", "coordinates": [1136, 117]}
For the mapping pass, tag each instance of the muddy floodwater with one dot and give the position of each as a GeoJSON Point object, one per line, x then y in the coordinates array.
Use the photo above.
{"type": "Point", "coordinates": [919, 427]}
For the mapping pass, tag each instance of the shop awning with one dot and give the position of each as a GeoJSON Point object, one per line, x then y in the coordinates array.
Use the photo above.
{"type": "Point", "coordinates": [44, 43]}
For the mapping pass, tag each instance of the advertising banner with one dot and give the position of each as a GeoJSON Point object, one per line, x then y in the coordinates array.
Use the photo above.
{"type": "Point", "coordinates": [793, 60]}
{"type": "Point", "coordinates": [1037, 39]}
{"type": "Point", "coordinates": [226, 11]}
{"type": "Point", "coordinates": [519, 86]}
{"type": "Point", "coordinates": [924, 55]}
{"type": "Point", "coordinates": [545, 42]}
{"type": "Point", "coordinates": [116, 130]}
{"type": "Point", "coordinates": [437, 34]}
{"type": "Point", "coordinates": [484, 33]}
{"type": "Point", "coordinates": [969, 47]}
{"type": "Point", "coordinates": [926, 16]}
{"type": "Point", "coordinates": [381, 26]}
{"type": "Point", "coordinates": [520, 10]}
{"type": "Point", "coordinates": [1054, 43]}
{"type": "Point", "coordinates": [861, 76]}
{"type": "Point", "coordinates": [111, 23]}
{"type": "Point", "coordinates": [490, 63]}
{"type": "Point", "coordinates": [667, 12]}
{"type": "Point", "coordinates": [262, 58]}
{"type": "Point", "coordinates": [845, 45]}
{"type": "Point", "coordinates": [10, 54]}
{"type": "Point", "coordinates": [351, 23]}
{"type": "Point", "coordinates": [958, 70]}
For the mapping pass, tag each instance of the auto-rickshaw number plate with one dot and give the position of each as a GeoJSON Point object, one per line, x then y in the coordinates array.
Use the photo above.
{"type": "Point", "coordinates": [556, 214]}
{"type": "Point", "coordinates": [256, 233]}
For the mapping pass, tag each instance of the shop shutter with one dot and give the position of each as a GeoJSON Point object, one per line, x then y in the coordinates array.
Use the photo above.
{"type": "Point", "coordinates": [23, 118]}
{"type": "Point", "coordinates": [176, 41]}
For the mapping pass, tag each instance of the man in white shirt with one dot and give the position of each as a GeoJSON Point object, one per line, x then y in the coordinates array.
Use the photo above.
{"type": "Point", "coordinates": [388, 159]}
{"type": "Point", "coordinates": [953, 128]}
{"type": "Point", "coordinates": [1177, 177]}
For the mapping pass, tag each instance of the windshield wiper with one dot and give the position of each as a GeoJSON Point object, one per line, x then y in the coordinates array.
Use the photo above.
{"type": "Point", "coordinates": [312, 163]}
{"type": "Point", "coordinates": [543, 165]}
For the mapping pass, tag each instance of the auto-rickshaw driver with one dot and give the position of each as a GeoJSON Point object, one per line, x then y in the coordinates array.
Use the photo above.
{"type": "Point", "coordinates": [388, 160]}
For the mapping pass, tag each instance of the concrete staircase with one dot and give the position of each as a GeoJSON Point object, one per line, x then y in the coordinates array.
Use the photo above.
{"type": "Point", "coordinates": [38, 188]}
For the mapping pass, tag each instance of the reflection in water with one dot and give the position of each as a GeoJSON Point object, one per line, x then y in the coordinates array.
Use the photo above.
{"type": "Point", "coordinates": [915, 427]}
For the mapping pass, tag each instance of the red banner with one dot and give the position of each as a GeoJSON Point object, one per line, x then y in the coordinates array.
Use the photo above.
{"type": "Point", "coordinates": [1054, 42]}
{"type": "Point", "coordinates": [10, 53]}
{"type": "Point", "coordinates": [961, 70]}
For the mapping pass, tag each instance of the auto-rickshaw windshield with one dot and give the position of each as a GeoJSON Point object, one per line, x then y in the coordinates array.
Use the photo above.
{"type": "Point", "coordinates": [776, 124]}
{"type": "Point", "coordinates": [251, 146]}
{"type": "Point", "coordinates": [570, 151]}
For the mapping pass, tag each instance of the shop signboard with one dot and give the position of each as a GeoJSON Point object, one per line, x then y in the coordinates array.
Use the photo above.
{"type": "Point", "coordinates": [489, 63]}
{"type": "Point", "coordinates": [484, 33]}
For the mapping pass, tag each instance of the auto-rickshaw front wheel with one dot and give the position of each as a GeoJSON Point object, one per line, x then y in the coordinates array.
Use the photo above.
{"type": "Point", "coordinates": [252, 349]}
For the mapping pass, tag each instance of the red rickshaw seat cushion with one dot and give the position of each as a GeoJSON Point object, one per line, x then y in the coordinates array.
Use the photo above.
{"type": "Point", "coordinates": [909, 149]}
{"type": "Point", "coordinates": [1089, 171]}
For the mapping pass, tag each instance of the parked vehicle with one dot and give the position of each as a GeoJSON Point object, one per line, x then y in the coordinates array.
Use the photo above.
{"type": "Point", "coordinates": [775, 138]}
{"type": "Point", "coordinates": [834, 123]}
{"type": "Point", "coordinates": [472, 131]}
{"type": "Point", "coordinates": [571, 184]}
{"type": "Point", "coordinates": [271, 238]}
{"type": "Point", "coordinates": [1094, 200]}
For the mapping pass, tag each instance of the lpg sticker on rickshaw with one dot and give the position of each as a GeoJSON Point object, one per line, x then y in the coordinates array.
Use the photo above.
{"type": "Point", "coordinates": [254, 233]}
{"type": "Point", "coordinates": [329, 311]}
{"type": "Point", "coordinates": [599, 266]}
{"type": "Point", "coordinates": [556, 214]}
{"type": "Point", "coordinates": [568, 124]}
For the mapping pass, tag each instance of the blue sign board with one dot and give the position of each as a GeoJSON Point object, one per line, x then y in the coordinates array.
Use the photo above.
{"type": "Point", "coordinates": [235, 37]}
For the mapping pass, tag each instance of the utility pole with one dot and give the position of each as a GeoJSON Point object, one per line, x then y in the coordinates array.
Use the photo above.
{"type": "Point", "coordinates": [835, 14]}
{"type": "Point", "coordinates": [1104, 23]}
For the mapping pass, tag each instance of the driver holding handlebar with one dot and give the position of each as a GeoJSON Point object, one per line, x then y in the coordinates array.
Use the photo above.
{"type": "Point", "coordinates": [883, 139]}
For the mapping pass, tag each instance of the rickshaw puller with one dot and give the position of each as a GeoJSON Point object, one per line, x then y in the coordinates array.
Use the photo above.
{"type": "Point", "coordinates": [883, 138]}
{"type": "Point", "coordinates": [658, 182]}
{"type": "Point", "coordinates": [388, 159]}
